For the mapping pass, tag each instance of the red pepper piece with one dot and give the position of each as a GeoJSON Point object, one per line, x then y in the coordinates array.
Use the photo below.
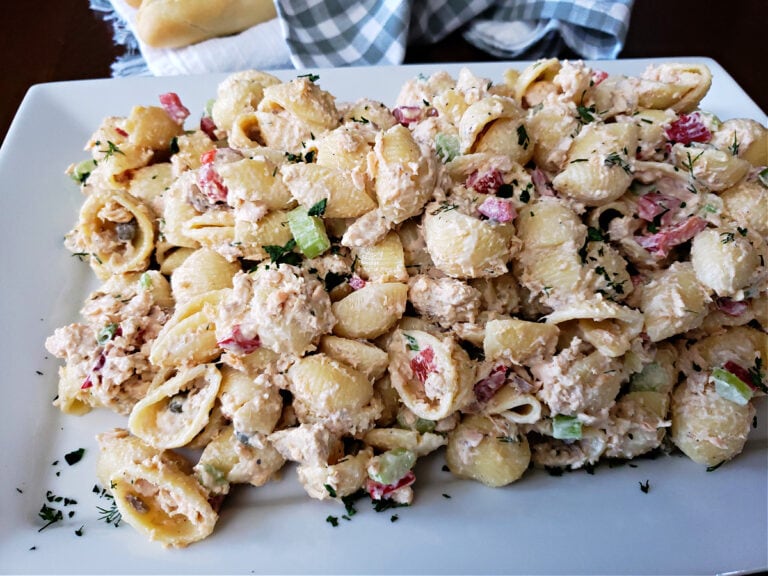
{"type": "Point", "coordinates": [688, 128]}
{"type": "Point", "coordinates": [423, 364]}
{"type": "Point", "coordinates": [173, 107]}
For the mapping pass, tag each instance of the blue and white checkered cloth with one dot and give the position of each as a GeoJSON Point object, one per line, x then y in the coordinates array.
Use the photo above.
{"type": "Point", "coordinates": [325, 33]}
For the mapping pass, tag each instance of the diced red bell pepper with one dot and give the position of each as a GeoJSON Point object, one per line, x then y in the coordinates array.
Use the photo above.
{"type": "Point", "coordinates": [210, 183]}
{"type": "Point", "coordinates": [485, 182]}
{"type": "Point", "coordinates": [238, 343]}
{"type": "Point", "coordinates": [598, 76]}
{"type": "Point", "coordinates": [100, 361]}
{"type": "Point", "coordinates": [173, 107]}
{"type": "Point", "coordinates": [740, 373]}
{"type": "Point", "coordinates": [379, 491]}
{"type": "Point", "coordinates": [423, 364]}
{"type": "Point", "coordinates": [688, 128]}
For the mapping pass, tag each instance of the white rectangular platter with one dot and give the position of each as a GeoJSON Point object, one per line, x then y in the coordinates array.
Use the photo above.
{"type": "Point", "coordinates": [689, 521]}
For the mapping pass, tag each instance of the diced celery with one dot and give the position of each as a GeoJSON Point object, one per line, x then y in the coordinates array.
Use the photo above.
{"type": "Point", "coordinates": [423, 425]}
{"type": "Point", "coordinates": [82, 170]}
{"type": "Point", "coordinates": [566, 427]}
{"type": "Point", "coordinates": [145, 281]}
{"type": "Point", "coordinates": [446, 147]}
{"type": "Point", "coordinates": [391, 465]}
{"type": "Point", "coordinates": [309, 232]}
{"type": "Point", "coordinates": [731, 387]}
{"type": "Point", "coordinates": [652, 377]}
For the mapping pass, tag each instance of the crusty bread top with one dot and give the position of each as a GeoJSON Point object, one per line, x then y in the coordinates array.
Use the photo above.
{"type": "Point", "coordinates": [177, 23]}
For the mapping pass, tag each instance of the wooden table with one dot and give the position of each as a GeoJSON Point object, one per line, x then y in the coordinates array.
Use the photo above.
{"type": "Point", "coordinates": [47, 40]}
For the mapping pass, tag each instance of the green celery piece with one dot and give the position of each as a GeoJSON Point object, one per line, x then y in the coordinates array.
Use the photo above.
{"type": "Point", "coordinates": [393, 465]}
{"type": "Point", "coordinates": [309, 232]}
{"type": "Point", "coordinates": [446, 147]}
{"type": "Point", "coordinates": [731, 387]}
{"type": "Point", "coordinates": [82, 170]}
{"type": "Point", "coordinates": [566, 427]}
{"type": "Point", "coordinates": [651, 378]}
{"type": "Point", "coordinates": [423, 425]}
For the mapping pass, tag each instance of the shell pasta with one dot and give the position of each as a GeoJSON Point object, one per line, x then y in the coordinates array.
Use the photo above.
{"type": "Point", "coordinates": [545, 270]}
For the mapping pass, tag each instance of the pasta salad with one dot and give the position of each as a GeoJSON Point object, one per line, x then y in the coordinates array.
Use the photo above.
{"type": "Point", "coordinates": [545, 270]}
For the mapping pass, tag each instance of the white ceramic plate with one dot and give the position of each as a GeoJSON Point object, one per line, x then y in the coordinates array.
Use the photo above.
{"type": "Point", "coordinates": [689, 521]}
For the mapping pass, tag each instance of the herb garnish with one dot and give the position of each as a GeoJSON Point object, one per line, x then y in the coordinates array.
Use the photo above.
{"type": "Point", "coordinates": [311, 77]}
{"type": "Point", "coordinates": [111, 150]}
{"type": "Point", "coordinates": [522, 137]}
{"type": "Point", "coordinates": [49, 515]}
{"type": "Point", "coordinates": [734, 147]}
{"type": "Point", "coordinates": [283, 254]}
{"type": "Point", "coordinates": [726, 237]}
{"type": "Point", "coordinates": [318, 208]}
{"type": "Point", "coordinates": [614, 159]}
{"type": "Point", "coordinates": [332, 520]}
{"type": "Point", "coordinates": [645, 486]}
{"type": "Point", "coordinates": [444, 207]}
{"type": "Point", "coordinates": [330, 489]}
{"type": "Point", "coordinates": [412, 343]}
{"type": "Point", "coordinates": [110, 515]}
{"type": "Point", "coordinates": [756, 375]}
{"type": "Point", "coordinates": [74, 456]}
{"type": "Point", "coordinates": [586, 114]}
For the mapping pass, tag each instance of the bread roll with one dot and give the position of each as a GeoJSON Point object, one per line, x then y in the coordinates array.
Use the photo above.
{"type": "Point", "coordinates": [176, 23]}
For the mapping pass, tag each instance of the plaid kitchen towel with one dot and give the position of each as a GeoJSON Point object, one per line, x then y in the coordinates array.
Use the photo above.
{"type": "Point", "coordinates": [325, 33]}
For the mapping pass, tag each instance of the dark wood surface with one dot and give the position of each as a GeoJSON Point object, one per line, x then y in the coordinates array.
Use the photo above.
{"type": "Point", "coordinates": [47, 40]}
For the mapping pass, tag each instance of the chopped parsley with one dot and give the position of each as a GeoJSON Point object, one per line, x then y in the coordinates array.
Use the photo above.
{"type": "Point", "coordinates": [522, 137]}
{"type": "Point", "coordinates": [586, 114]}
{"type": "Point", "coordinates": [318, 208]}
{"type": "Point", "coordinates": [283, 254]}
{"type": "Point", "coordinates": [645, 486]}
{"type": "Point", "coordinates": [173, 146]}
{"type": "Point", "coordinates": [331, 490]}
{"type": "Point", "coordinates": [332, 279]}
{"type": "Point", "coordinates": [75, 456]}
{"type": "Point", "coordinates": [726, 237]}
{"type": "Point", "coordinates": [595, 235]}
{"type": "Point", "coordinates": [332, 520]}
{"type": "Point", "coordinates": [525, 195]}
{"type": "Point", "coordinates": [615, 159]}
{"type": "Point", "coordinates": [715, 466]}
{"type": "Point", "coordinates": [49, 515]}
{"type": "Point", "coordinates": [311, 77]}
